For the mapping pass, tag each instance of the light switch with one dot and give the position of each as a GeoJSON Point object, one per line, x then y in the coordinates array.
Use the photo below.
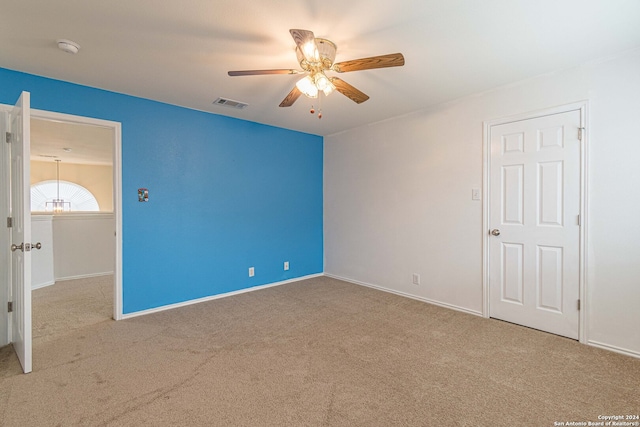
{"type": "Point", "coordinates": [475, 194]}
{"type": "Point", "coordinates": [143, 195]}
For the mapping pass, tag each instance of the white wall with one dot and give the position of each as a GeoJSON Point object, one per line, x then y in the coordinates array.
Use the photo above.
{"type": "Point", "coordinates": [42, 259]}
{"type": "Point", "coordinates": [84, 245]}
{"type": "Point", "coordinates": [398, 196]}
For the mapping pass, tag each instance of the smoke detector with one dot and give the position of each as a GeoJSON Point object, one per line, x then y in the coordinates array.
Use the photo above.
{"type": "Point", "coordinates": [68, 46]}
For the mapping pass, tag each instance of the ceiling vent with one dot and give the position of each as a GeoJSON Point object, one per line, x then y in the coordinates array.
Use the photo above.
{"type": "Point", "coordinates": [230, 103]}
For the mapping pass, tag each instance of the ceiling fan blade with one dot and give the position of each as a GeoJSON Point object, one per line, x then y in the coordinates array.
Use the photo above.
{"type": "Point", "coordinates": [349, 91]}
{"type": "Point", "coordinates": [306, 42]}
{"type": "Point", "coordinates": [291, 98]}
{"type": "Point", "coordinates": [382, 61]}
{"type": "Point", "coordinates": [261, 72]}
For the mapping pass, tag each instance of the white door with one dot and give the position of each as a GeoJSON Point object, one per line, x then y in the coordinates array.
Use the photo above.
{"type": "Point", "coordinates": [534, 206]}
{"type": "Point", "coordinates": [20, 212]}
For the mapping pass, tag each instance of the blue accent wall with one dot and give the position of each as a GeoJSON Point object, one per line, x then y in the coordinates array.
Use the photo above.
{"type": "Point", "coordinates": [224, 194]}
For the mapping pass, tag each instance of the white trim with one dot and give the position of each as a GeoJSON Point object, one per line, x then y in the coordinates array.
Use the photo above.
{"type": "Point", "coordinates": [538, 113]}
{"type": "Point", "coordinates": [43, 285]}
{"type": "Point", "coordinates": [5, 232]}
{"type": "Point", "coordinates": [62, 279]}
{"type": "Point", "coordinates": [215, 297]}
{"type": "Point", "coordinates": [613, 348]}
{"type": "Point", "coordinates": [117, 191]}
{"type": "Point", "coordinates": [79, 216]}
{"type": "Point", "coordinates": [117, 209]}
{"type": "Point", "coordinates": [406, 295]}
{"type": "Point", "coordinates": [584, 222]}
{"type": "Point", "coordinates": [84, 276]}
{"type": "Point", "coordinates": [581, 106]}
{"type": "Point", "coordinates": [486, 156]}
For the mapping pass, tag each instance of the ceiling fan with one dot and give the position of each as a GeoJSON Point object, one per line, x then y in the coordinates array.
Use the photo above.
{"type": "Point", "coordinates": [316, 56]}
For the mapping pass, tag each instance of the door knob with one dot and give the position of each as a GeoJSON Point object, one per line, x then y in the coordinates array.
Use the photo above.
{"type": "Point", "coordinates": [495, 232]}
{"type": "Point", "coordinates": [26, 247]}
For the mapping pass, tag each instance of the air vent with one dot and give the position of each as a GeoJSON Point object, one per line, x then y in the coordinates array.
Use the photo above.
{"type": "Point", "coordinates": [48, 156]}
{"type": "Point", "coordinates": [230, 103]}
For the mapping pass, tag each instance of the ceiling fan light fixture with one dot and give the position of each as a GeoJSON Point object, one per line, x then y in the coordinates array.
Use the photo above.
{"type": "Point", "coordinates": [330, 88]}
{"type": "Point", "coordinates": [308, 87]}
{"type": "Point", "coordinates": [321, 81]}
{"type": "Point", "coordinates": [310, 51]}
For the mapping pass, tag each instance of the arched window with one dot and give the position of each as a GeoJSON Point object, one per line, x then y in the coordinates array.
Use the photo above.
{"type": "Point", "coordinates": [80, 199]}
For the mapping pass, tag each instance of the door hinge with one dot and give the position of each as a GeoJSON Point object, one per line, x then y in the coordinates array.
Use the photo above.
{"type": "Point", "coordinates": [7, 137]}
{"type": "Point", "coordinates": [580, 132]}
{"type": "Point", "coordinates": [9, 222]}
{"type": "Point", "coordinates": [578, 305]}
{"type": "Point", "coordinates": [10, 306]}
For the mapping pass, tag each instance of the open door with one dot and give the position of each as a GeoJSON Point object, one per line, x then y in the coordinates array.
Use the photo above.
{"type": "Point", "coordinates": [20, 213]}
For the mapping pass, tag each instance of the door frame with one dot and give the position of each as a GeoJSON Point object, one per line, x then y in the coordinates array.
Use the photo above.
{"type": "Point", "coordinates": [5, 232]}
{"type": "Point", "coordinates": [582, 107]}
{"type": "Point", "coordinates": [117, 188]}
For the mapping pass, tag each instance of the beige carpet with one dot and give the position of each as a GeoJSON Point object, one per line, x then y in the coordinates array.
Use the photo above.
{"type": "Point", "coordinates": [71, 305]}
{"type": "Point", "coordinates": [315, 353]}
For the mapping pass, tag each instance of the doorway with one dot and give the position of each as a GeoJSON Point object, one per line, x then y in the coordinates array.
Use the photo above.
{"type": "Point", "coordinates": [6, 323]}
{"type": "Point", "coordinates": [534, 230]}
{"type": "Point", "coordinates": [116, 161]}
{"type": "Point", "coordinates": [72, 215]}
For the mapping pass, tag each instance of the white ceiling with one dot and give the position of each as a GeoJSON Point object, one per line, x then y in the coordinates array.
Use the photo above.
{"type": "Point", "coordinates": [71, 142]}
{"type": "Point", "coordinates": [179, 52]}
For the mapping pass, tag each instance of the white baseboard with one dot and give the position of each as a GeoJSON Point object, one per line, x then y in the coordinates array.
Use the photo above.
{"type": "Point", "coordinates": [406, 295]}
{"type": "Point", "coordinates": [42, 285]}
{"type": "Point", "coordinates": [83, 276]}
{"type": "Point", "coordinates": [613, 348]}
{"type": "Point", "coordinates": [214, 297]}
{"type": "Point", "coordinates": [603, 346]}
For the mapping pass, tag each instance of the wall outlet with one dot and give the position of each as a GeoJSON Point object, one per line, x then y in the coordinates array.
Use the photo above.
{"type": "Point", "coordinates": [415, 279]}
{"type": "Point", "coordinates": [286, 265]}
{"type": "Point", "coordinates": [252, 272]}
